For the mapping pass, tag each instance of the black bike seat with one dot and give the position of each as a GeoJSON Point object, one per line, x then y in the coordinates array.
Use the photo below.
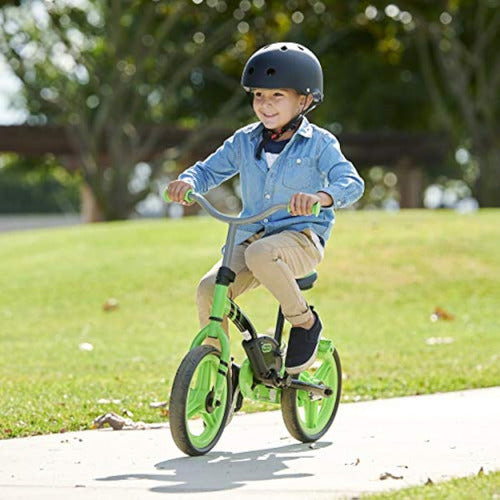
{"type": "Point", "coordinates": [307, 282]}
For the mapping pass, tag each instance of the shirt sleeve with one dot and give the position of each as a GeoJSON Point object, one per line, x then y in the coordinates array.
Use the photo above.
{"type": "Point", "coordinates": [344, 184]}
{"type": "Point", "coordinates": [215, 169]}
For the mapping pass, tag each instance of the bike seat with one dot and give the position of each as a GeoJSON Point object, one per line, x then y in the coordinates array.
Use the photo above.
{"type": "Point", "coordinates": [307, 282]}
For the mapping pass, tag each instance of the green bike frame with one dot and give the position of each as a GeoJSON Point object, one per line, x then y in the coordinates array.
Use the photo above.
{"type": "Point", "coordinates": [222, 304]}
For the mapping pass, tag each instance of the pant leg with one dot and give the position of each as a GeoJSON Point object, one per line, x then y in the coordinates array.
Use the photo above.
{"type": "Point", "coordinates": [244, 281]}
{"type": "Point", "coordinates": [276, 261]}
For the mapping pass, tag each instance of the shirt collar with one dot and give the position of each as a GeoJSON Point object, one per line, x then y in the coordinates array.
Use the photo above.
{"type": "Point", "coordinates": [305, 129]}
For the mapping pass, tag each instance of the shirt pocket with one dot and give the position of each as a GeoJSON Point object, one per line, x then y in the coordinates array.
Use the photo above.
{"type": "Point", "coordinates": [301, 174]}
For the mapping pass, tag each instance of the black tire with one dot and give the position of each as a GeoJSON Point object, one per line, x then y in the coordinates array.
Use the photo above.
{"type": "Point", "coordinates": [321, 412]}
{"type": "Point", "coordinates": [197, 433]}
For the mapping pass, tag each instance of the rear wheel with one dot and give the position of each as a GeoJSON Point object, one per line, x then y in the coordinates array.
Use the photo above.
{"type": "Point", "coordinates": [196, 423]}
{"type": "Point", "coordinates": [308, 417]}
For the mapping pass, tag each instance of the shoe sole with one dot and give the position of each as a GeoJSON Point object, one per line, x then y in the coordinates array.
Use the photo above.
{"type": "Point", "coordinates": [294, 370]}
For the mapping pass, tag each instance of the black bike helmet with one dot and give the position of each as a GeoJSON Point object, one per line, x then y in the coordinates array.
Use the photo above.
{"type": "Point", "coordinates": [285, 65]}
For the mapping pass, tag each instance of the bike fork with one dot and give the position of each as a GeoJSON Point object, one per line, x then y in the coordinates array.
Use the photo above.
{"type": "Point", "coordinates": [221, 305]}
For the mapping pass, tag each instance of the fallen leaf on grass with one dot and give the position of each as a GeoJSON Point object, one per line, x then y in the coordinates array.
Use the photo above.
{"type": "Point", "coordinates": [110, 305]}
{"type": "Point", "coordinates": [162, 406]}
{"type": "Point", "coordinates": [440, 313]}
{"type": "Point", "coordinates": [439, 340]}
{"type": "Point", "coordinates": [388, 475]}
{"type": "Point", "coordinates": [85, 346]}
{"type": "Point", "coordinates": [158, 404]}
{"type": "Point", "coordinates": [104, 401]}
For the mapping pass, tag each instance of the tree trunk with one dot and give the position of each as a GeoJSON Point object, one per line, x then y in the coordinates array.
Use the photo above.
{"type": "Point", "coordinates": [91, 211]}
{"type": "Point", "coordinates": [487, 189]}
{"type": "Point", "coordinates": [410, 184]}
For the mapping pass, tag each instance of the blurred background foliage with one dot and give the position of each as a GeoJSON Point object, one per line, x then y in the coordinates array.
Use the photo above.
{"type": "Point", "coordinates": [29, 185]}
{"type": "Point", "coordinates": [103, 70]}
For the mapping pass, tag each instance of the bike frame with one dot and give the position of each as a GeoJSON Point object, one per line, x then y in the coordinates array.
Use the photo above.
{"type": "Point", "coordinates": [222, 305]}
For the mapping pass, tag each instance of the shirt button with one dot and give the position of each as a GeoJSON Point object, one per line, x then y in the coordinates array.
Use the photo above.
{"type": "Point", "coordinates": [266, 220]}
{"type": "Point", "coordinates": [267, 196]}
{"type": "Point", "coordinates": [299, 161]}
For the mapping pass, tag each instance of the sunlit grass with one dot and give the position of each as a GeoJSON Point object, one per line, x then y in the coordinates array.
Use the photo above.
{"type": "Point", "coordinates": [382, 278]}
{"type": "Point", "coordinates": [479, 487]}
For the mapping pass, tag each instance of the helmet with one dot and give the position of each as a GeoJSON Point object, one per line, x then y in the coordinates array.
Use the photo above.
{"type": "Point", "coordinates": [284, 65]}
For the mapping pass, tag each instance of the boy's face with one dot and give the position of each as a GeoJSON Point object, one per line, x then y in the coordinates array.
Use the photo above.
{"type": "Point", "coordinates": [276, 107]}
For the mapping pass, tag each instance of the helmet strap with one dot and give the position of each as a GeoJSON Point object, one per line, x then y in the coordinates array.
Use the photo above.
{"type": "Point", "coordinates": [273, 135]}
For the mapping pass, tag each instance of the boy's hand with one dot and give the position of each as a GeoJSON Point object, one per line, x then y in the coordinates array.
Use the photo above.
{"type": "Point", "coordinates": [176, 191]}
{"type": "Point", "coordinates": [302, 203]}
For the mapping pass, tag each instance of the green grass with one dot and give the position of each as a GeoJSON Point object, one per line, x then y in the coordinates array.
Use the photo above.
{"type": "Point", "coordinates": [382, 277]}
{"type": "Point", "coordinates": [483, 487]}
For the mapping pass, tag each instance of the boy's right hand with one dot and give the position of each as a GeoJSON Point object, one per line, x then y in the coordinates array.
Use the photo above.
{"type": "Point", "coordinates": [176, 191]}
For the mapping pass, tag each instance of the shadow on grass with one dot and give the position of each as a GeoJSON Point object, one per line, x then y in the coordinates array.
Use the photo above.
{"type": "Point", "coordinates": [223, 470]}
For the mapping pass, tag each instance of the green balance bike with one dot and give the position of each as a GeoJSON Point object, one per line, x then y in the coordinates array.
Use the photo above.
{"type": "Point", "coordinates": [201, 401]}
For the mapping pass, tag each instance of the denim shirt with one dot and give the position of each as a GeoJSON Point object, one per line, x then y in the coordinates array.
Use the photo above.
{"type": "Point", "coordinates": [310, 162]}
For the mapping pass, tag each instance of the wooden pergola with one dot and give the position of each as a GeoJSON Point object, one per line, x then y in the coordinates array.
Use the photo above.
{"type": "Point", "coordinates": [409, 155]}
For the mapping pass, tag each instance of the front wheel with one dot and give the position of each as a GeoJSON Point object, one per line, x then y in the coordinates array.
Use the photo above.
{"type": "Point", "coordinates": [195, 423]}
{"type": "Point", "coordinates": [308, 417]}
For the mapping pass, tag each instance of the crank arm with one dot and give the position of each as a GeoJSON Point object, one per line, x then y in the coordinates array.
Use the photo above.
{"type": "Point", "coordinates": [317, 390]}
{"type": "Point", "coordinates": [320, 391]}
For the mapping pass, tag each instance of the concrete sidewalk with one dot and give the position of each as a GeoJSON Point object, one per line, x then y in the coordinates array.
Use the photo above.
{"type": "Point", "coordinates": [372, 446]}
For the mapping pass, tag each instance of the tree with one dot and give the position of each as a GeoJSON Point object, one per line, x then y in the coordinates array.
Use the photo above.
{"type": "Point", "coordinates": [107, 69]}
{"type": "Point", "coordinates": [110, 70]}
{"type": "Point", "coordinates": [457, 43]}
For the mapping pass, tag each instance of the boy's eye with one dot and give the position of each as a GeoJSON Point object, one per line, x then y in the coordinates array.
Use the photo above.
{"type": "Point", "coordinates": [260, 95]}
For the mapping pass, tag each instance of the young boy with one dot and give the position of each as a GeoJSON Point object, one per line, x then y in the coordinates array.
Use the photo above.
{"type": "Point", "coordinates": [281, 159]}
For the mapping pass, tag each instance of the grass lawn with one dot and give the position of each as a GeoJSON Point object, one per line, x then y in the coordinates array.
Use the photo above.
{"type": "Point", "coordinates": [383, 276]}
{"type": "Point", "coordinates": [482, 487]}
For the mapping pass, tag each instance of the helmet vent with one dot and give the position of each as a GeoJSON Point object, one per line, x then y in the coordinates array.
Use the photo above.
{"type": "Point", "coordinates": [300, 47]}
{"type": "Point", "coordinates": [284, 47]}
{"type": "Point", "coordinates": [251, 70]}
{"type": "Point", "coordinates": [270, 72]}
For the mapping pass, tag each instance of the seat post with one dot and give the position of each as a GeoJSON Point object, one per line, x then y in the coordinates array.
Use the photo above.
{"type": "Point", "coordinates": [280, 321]}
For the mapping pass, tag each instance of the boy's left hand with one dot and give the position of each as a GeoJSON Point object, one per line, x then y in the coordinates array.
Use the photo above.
{"type": "Point", "coordinates": [302, 203]}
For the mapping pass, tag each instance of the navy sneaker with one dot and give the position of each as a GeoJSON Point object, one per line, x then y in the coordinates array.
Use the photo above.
{"type": "Point", "coordinates": [303, 347]}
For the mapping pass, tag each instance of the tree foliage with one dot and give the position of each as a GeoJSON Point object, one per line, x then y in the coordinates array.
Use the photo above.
{"type": "Point", "coordinates": [107, 69]}
{"type": "Point", "coordinates": [34, 186]}
{"type": "Point", "coordinates": [456, 47]}
{"type": "Point", "coordinates": [104, 69]}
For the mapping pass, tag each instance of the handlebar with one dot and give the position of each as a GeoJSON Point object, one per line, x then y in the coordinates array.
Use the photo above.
{"type": "Point", "coordinates": [191, 196]}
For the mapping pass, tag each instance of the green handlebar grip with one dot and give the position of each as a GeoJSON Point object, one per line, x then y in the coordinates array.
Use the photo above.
{"type": "Point", "coordinates": [186, 196]}
{"type": "Point", "coordinates": [316, 208]}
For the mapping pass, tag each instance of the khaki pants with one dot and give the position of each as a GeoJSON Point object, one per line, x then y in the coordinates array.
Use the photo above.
{"type": "Point", "coordinates": [274, 261]}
